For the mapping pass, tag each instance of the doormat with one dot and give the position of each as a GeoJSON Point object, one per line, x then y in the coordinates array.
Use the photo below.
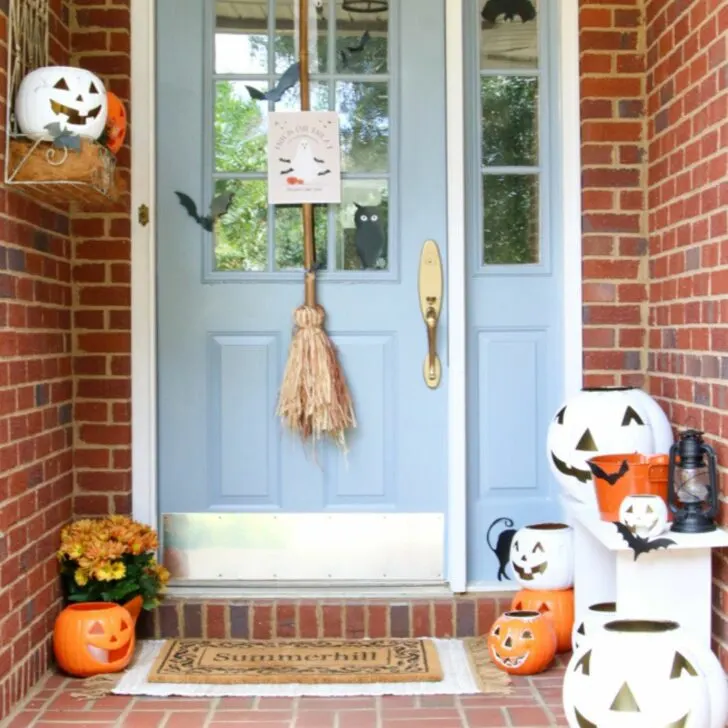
{"type": "Point", "coordinates": [231, 662]}
{"type": "Point", "coordinates": [465, 667]}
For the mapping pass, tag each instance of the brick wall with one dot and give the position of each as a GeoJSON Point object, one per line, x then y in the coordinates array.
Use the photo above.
{"type": "Point", "coordinates": [687, 114]}
{"type": "Point", "coordinates": [36, 479]}
{"type": "Point", "coordinates": [100, 41]}
{"type": "Point", "coordinates": [612, 44]}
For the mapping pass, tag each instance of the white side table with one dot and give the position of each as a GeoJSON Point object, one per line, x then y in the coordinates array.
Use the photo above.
{"type": "Point", "coordinates": [672, 583]}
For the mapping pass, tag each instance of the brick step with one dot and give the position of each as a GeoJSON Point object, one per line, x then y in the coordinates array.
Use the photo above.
{"type": "Point", "coordinates": [457, 616]}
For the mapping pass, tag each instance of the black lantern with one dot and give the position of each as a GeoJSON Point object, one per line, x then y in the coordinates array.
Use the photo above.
{"type": "Point", "coordinates": [692, 484]}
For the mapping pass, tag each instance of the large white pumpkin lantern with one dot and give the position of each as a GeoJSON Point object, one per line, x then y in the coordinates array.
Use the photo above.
{"type": "Point", "coordinates": [74, 98]}
{"type": "Point", "coordinates": [639, 673]}
{"type": "Point", "coordinates": [542, 556]}
{"type": "Point", "coordinates": [603, 421]}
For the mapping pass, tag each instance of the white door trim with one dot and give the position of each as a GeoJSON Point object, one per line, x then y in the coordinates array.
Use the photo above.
{"type": "Point", "coordinates": [143, 188]}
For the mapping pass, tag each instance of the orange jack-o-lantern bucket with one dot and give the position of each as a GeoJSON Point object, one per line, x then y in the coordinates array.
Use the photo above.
{"type": "Point", "coordinates": [617, 476]}
{"type": "Point", "coordinates": [92, 638]}
{"type": "Point", "coordinates": [115, 123]}
{"type": "Point", "coordinates": [522, 642]}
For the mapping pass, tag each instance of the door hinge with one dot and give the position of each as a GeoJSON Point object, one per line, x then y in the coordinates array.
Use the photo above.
{"type": "Point", "coordinates": [143, 215]}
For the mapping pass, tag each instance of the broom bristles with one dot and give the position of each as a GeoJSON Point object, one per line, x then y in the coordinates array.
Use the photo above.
{"type": "Point", "coordinates": [314, 399]}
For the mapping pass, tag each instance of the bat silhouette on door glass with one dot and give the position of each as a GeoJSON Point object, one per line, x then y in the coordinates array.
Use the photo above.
{"type": "Point", "coordinates": [288, 80]}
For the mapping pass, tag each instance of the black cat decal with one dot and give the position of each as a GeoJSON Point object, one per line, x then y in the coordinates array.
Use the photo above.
{"type": "Point", "coordinates": [502, 548]}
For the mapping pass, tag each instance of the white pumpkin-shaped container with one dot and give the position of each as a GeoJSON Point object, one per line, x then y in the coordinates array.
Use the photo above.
{"type": "Point", "coordinates": [74, 98]}
{"type": "Point", "coordinates": [640, 673]}
{"type": "Point", "coordinates": [644, 515]}
{"type": "Point", "coordinates": [542, 556]}
{"type": "Point", "coordinates": [595, 617]}
{"type": "Point", "coordinates": [603, 421]}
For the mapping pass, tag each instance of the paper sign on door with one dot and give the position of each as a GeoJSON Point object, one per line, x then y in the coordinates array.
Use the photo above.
{"type": "Point", "coordinates": [304, 157]}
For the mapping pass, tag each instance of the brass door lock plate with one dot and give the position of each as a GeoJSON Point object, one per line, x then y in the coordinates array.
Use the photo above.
{"type": "Point", "coordinates": [430, 291]}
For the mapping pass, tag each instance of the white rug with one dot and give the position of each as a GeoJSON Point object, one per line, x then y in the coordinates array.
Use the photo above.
{"type": "Point", "coordinates": [458, 680]}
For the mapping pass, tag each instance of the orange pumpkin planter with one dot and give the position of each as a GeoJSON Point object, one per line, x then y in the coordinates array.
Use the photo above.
{"type": "Point", "coordinates": [92, 638]}
{"type": "Point", "coordinates": [556, 605]}
{"type": "Point", "coordinates": [522, 642]}
{"type": "Point", "coordinates": [115, 123]}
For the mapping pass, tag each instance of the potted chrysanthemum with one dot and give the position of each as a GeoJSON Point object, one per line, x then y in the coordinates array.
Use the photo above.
{"type": "Point", "coordinates": [110, 573]}
{"type": "Point", "coordinates": [111, 559]}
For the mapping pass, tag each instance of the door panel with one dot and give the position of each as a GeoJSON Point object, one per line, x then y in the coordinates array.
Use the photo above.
{"type": "Point", "coordinates": [226, 298]}
{"type": "Point", "coordinates": [514, 282]}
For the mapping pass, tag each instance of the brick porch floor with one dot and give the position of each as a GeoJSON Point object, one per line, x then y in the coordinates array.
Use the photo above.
{"type": "Point", "coordinates": [536, 702]}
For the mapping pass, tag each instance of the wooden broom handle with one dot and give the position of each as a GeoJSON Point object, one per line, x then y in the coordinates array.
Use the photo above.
{"type": "Point", "coordinates": [308, 249]}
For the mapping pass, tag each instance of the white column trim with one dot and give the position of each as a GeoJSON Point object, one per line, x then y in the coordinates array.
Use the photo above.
{"type": "Point", "coordinates": [143, 266]}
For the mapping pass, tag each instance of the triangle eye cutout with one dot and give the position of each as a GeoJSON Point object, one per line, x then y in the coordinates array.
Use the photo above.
{"type": "Point", "coordinates": [631, 416]}
{"type": "Point", "coordinates": [624, 701]}
{"type": "Point", "coordinates": [680, 665]}
{"type": "Point", "coordinates": [586, 443]}
{"type": "Point", "coordinates": [97, 628]}
{"type": "Point", "coordinates": [584, 663]}
{"type": "Point", "coordinates": [560, 415]}
{"type": "Point", "coordinates": [581, 629]}
{"type": "Point", "coordinates": [544, 608]}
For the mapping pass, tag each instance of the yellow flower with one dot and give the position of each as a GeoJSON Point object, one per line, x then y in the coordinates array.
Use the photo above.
{"type": "Point", "coordinates": [105, 572]}
{"type": "Point", "coordinates": [81, 577]}
{"type": "Point", "coordinates": [74, 551]}
{"type": "Point", "coordinates": [118, 570]}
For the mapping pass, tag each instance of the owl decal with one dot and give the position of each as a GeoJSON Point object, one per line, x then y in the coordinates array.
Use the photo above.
{"type": "Point", "coordinates": [370, 239]}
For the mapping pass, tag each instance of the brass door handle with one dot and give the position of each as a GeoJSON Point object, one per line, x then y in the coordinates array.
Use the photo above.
{"type": "Point", "coordinates": [430, 290]}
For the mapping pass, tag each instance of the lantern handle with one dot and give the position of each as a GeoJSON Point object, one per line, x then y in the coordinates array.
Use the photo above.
{"type": "Point", "coordinates": [713, 475]}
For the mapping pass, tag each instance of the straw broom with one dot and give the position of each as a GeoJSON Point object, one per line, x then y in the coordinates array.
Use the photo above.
{"type": "Point", "coordinates": [314, 398]}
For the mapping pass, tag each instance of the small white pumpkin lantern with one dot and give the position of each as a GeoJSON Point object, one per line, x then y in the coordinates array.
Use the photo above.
{"type": "Point", "coordinates": [595, 617]}
{"type": "Point", "coordinates": [603, 421]}
{"type": "Point", "coordinates": [644, 515]}
{"type": "Point", "coordinates": [635, 674]}
{"type": "Point", "coordinates": [542, 556]}
{"type": "Point", "coordinates": [74, 98]}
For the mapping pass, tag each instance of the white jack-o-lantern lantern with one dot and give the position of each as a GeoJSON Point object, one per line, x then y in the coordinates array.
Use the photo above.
{"type": "Point", "coordinates": [644, 515]}
{"type": "Point", "coordinates": [71, 97]}
{"type": "Point", "coordinates": [635, 674]}
{"type": "Point", "coordinates": [542, 556]}
{"type": "Point", "coordinates": [603, 421]}
{"type": "Point", "coordinates": [595, 617]}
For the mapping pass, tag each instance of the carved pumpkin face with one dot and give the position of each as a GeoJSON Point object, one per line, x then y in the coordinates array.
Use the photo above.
{"type": "Point", "coordinates": [542, 556]}
{"type": "Point", "coordinates": [596, 422]}
{"type": "Point", "coordinates": [93, 638]}
{"type": "Point", "coordinates": [635, 674]}
{"type": "Point", "coordinates": [522, 642]}
{"type": "Point", "coordinates": [556, 605]}
{"type": "Point", "coordinates": [644, 515]}
{"type": "Point", "coordinates": [71, 97]}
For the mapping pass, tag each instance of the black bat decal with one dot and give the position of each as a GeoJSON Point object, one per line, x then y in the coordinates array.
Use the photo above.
{"type": "Point", "coordinates": [218, 207]}
{"type": "Point", "coordinates": [287, 171]}
{"type": "Point", "coordinates": [325, 172]}
{"type": "Point", "coordinates": [508, 8]}
{"type": "Point", "coordinates": [611, 478]}
{"type": "Point", "coordinates": [318, 161]}
{"type": "Point", "coordinates": [361, 43]}
{"type": "Point", "coordinates": [358, 47]}
{"type": "Point", "coordinates": [641, 545]}
{"type": "Point", "coordinates": [287, 81]}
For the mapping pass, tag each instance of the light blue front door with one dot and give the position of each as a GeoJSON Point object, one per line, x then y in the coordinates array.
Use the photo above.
{"type": "Point", "coordinates": [514, 281]}
{"type": "Point", "coordinates": [226, 298]}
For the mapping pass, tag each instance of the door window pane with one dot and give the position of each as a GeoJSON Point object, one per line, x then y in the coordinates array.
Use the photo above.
{"type": "Point", "coordinates": [510, 219]}
{"type": "Point", "coordinates": [362, 225]}
{"type": "Point", "coordinates": [507, 39]}
{"type": "Point", "coordinates": [289, 236]}
{"type": "Point", "coordinates": [361, 39]}
{"type": "Point", "coordinates": [510, 120]}
{"type": "Point", "coordinates": [364, 122]}
{"type": "Point", "coordinates": [241, 37]}
{"type": "Point", "coordinates": [241, 234]}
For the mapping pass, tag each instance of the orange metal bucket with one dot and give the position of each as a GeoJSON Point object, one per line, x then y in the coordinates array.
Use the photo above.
{"type": "Point", "coordinates": [617, 476]}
